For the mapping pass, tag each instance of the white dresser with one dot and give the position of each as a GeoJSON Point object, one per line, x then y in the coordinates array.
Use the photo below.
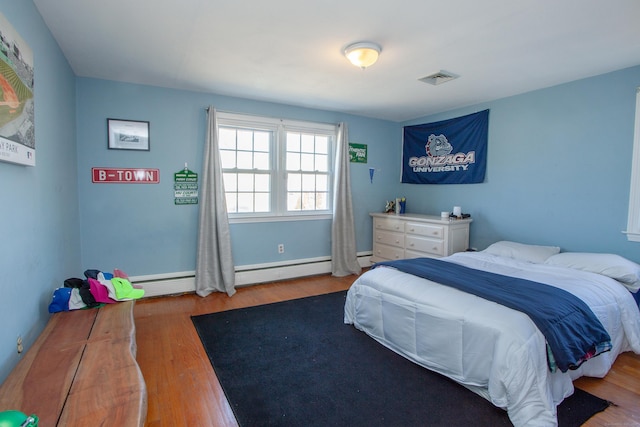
{"type": "Point", "coordinates": [415, 235]}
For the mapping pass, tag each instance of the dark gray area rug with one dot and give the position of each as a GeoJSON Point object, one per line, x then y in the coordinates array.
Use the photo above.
{"type": "Point", "coordinates": [295, 363]}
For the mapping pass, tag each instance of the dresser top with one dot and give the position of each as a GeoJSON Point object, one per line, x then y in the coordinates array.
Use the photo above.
{"type": "Point", "coordinates": [421, 217]}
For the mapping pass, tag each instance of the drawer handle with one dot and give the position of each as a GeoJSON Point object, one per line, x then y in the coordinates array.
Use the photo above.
{"type": "Point", "coordinates": [435, 248]}
{"type": "Point", "coordinates": [412, 230]}
{"type": "Point", "coordinates": [411, 244]}
{"type": "Point", "coordinates": [397, 241]}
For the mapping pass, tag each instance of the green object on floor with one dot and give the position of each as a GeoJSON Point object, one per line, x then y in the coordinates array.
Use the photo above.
{"type": "Point", "coordinates": [17, 419]}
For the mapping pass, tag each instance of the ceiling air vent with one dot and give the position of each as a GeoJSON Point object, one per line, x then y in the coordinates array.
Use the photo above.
{"type": "Point", "coordinates": [439, 77]}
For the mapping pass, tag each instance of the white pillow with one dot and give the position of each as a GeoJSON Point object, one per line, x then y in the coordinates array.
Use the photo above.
{"type": "Point", "coordinates": [522, 252]}
{"type": "Point", "coordinates": [611, 265]}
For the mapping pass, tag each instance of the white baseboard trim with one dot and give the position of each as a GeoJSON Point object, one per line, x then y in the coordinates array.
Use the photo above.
{"type": "Point", "coordinates": [184, 282]}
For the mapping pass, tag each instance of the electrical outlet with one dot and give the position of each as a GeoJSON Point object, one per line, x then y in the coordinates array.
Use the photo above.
{"type": "Point", "coordinates": [281, 248]}
{"type": "Point", "coordinates": [19, 345]}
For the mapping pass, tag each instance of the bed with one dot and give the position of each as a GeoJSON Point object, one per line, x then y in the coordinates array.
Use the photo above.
{"type": "Point", "coordinates": [495, 351]}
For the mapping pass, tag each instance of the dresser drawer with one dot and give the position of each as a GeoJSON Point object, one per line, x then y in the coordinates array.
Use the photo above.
{"type": "Point", "coordinates": [387, 252]}
{"type": "Point", "coordinates": [423, 244]}
{"type": "Point", "coordinates": [389, 238]}
{"type": "Point", "coordinates": [390, 224]}
{"type": "Point", "coordinates": [427, 230]}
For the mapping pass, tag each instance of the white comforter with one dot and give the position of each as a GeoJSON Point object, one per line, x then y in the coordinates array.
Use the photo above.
{"type": "Point", "coordinates": [493, 350]}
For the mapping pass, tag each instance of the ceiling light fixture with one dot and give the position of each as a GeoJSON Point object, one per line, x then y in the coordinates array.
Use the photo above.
{"type": "Point", "coordinates": [362, 54]}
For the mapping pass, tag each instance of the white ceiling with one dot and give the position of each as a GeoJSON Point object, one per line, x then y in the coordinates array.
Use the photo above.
{"type": "Point", "coordinates": [290, 51]}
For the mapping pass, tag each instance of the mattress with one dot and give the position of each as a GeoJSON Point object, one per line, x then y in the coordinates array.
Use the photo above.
{"type": "Point", "coordinates": [493, 350]}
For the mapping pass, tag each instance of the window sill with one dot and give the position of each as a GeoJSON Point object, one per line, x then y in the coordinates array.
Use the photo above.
{"type": "Point", "coordinates": [283, 218]}
{"type": "Point", "coordinates": [632, 236]}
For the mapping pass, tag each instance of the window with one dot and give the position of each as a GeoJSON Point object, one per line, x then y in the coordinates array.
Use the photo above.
{"type": "Point", "coordinates": [633, 222]}
{"type": "Point", "coordinates": [275, 168]}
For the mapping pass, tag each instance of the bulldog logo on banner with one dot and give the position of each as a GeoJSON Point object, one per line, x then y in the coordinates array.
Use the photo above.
{"type": "Point", "coordinates": [451, 151]}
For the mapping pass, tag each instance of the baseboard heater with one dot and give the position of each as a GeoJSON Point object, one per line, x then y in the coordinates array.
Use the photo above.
{"type": "Point", "coordinates": [184, 282]}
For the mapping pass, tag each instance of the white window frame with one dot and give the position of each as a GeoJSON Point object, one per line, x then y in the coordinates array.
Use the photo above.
{"type": "Point", "coordinates": [279, 127]}
{"type": "Point", "coordinates": [633, 221]}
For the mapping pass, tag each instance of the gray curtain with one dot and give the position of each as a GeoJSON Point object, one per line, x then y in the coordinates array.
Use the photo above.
{"type": "Point", "coordinates": [344, 258]}
{"type": "Point", "coordinates": [214, 264]}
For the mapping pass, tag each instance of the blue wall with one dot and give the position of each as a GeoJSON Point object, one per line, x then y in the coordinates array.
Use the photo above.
{"type": "Point", "coordinates": [558, 173]}
{"type": "Point", "coordinates": [558, 169]}
{"type": "Point", "coordinates": [40, 243]}
{"type": "Point", "coordinates": [137, 227]}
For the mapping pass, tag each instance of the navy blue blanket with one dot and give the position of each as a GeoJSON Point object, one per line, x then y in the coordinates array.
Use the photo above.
{"type": "Point", "coordinates": [573, 333]}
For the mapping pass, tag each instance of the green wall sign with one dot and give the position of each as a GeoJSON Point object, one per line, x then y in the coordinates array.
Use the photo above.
{"type": "Point", "coordinates": [357, 153]}
{"type": "Point", "coordinates": [185, 187]}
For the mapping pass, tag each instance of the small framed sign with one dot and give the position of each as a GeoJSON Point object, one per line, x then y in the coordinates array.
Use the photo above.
{"type": "Point", "coordinates": [128, 134]}
{"type": "Point", "coordinates": [357, 153]}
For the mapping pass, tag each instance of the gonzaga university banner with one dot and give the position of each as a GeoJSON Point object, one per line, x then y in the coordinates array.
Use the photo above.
{"type": "Point", "coordinates": [452, 151]}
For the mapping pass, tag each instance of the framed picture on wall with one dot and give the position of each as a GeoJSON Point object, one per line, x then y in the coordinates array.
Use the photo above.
{"type": "Point", "coordinates": [128, 134]}
{"type": "Point", "coordinates": [17, 99]}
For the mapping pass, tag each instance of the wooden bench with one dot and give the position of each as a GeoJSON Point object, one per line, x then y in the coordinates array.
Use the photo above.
{"type": "Point", "coordinates": [81, 371]}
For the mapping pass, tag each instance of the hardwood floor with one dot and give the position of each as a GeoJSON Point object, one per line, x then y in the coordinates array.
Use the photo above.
{"type": "Point", "coordinates": [184, 391]}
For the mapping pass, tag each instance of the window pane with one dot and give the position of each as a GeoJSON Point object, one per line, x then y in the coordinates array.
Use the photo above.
{"type": "Point", "coordinates": [245, 160]}
{"type": "Point", "coordinates": [308, 145]}
{"type": "Point", "coordinates": [262, 202]}
{"type": "Point", "coordinates": [261, 141]}
{"type": "Point", "coordinates": [293, 202]}
{"type": "Point", "coordinates": [307, 162]}
{"type": "Point", "coordinates": [322, 163]}
{"type": "Point", "coordinates": [293, 141]}
{"type": "Point", "coordinates": [232, 205]}
{"type": "Point", "coordinates": [322, 182]}
{"type": "Point", "coordinates": [261, 161]}
{"type": "Point", "coordinates": [308, 201]}
{"type": "Point", "coordinates": [245, 182]}
{"type": "Point", "coordinates": [322, 144]}
{"type": "Point", "coordinates": [245, 140]}
{"type": "Point", "coordinates": [293, 161]}
{"type": "Point", "coordinates": [308, 182]}
{"type": "Point", "coordinates": [228, 159]}
{"type": "Point", "coordinates": [263, 183]}
{"type": "Point", "coordinates": [322, 201]}
{"type": "Point", "coordinates": [245, 202]}
{"type": "Point", "coordinates": [230, 182]}
{"type": "Point", "coordinates": [294, 182]}
{"type": "Point", "coordinates": [227, 139]}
